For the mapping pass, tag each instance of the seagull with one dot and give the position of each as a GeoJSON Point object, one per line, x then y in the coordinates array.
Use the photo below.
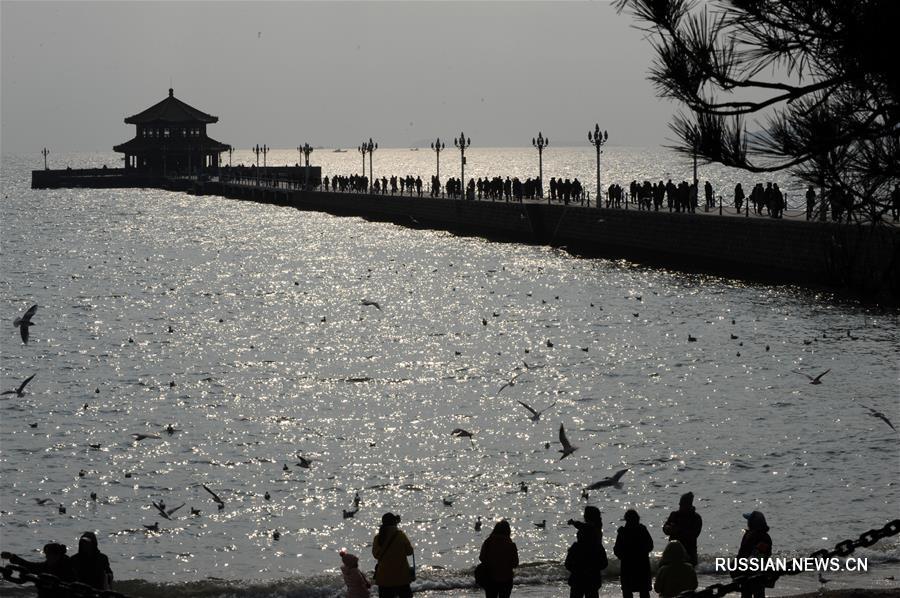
{"type": "Point", "coordinates": [510, 382]}
{"type": "Point", "coordinates": [523, 487]}
{"type": "Point", "coordinates": [816, 380]}
{"type": "Point", "coordinates": [19, 392]}
{"type": "Point", "coordinates": [94, 496]}
{"type": "Point", "coordinates": [356, 501]}
{"type": "Point", "coordinates": [549, 344]}
{"type": "Point", "coordinates": [584, 494]}
{"type": "Point", "coordinates": [215, 496]}
{"type": "Point", "coordinates": [541, 525]}
{"type": "Point", "coordinates": [734, 337]}
{"type": "Point", "coordinates": [532, 367]}
{"type": "Point", "coordinates": [267, 496]}
{"type": "Point", "coordinates": [692, 339]}
{"type": "Point", "coordinates": [304, 462]}
{"type": "Point", "coordinates": [24, 322]}
{"type": "Point", "coordinates": [567, 448]}
{"type": "Point", "coordinates": [879, 415]}
{"type": "Point", "coordinates": [138, 437]}
{"type": "Point", "coordinates": [161, 507]}
{"type": "Point", "coordinates": [535, 415]}
{"type": "Point", "coordinates": [448, 501]}
{"type": "Point", "coordinates": [153, 528]}
{"type": "Point", "coordinates": [170, 429]}
{"type": "Point", "coordinates": [613, 480]}
{"type": "Point", "coordinates": [460, 433]}
{"type": "Point", "coordinates": [62, 509]}
{"type": "Point", "coordinates": [276, 535]}
{"type": "Point", "coordinates": [195, 512]}
{"type": "Point", "coordinates": [349, 514]}
{"type": "Point", "coordinates": [43, 501]}
{"type": "Point", "coordinates": [285, 467]}
{"type": "Point", "coordinates": [478, 524]}
{"type": "Point", "coordinates": [371, 303]}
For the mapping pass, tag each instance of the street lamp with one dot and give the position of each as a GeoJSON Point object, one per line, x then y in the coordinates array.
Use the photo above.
{"type": "Point", "coordinates": [462, 143]}
{"type": "Point", "coordinates": [45, 152]}
{"type": "Point", "coordinates": [368, 147]}
{"type": "Point", "coordinates": [598, 139]}
{"type": "Point", "coordinates": [437, 146]}
{"type": "Point", "coordinates": [305, 149]}
{"type": "Point", "coordinates": [540, 143]}
{"type": "Point", "coordinates": [260, 150]}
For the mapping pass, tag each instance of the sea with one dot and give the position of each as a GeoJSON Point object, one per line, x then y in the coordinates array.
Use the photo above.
{"type": "Point", "coordinates": [234, 335]}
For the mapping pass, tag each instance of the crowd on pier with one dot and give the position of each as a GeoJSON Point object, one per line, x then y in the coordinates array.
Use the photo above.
{"type": "Point", "coordinates": [498, 558]}
{"type": "Point", "coordinates": [763, 199]}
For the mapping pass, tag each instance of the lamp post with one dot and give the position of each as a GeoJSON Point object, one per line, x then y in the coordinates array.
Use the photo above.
{"type": "Point", "coordinates": [437, 146]}
{"type": "Point", "coordinates": [260, 150]}
{"type": "Point", "coordinates": [45, 152]}
{"type": "Point", "coordinates": [368, 147]}
{"type": "Point", "coordinates": [462, 143]}
{"type": "Point", "coordinates": [540, 143]}
{"type": "Point", "coordinates": [305, 149]}
{"type": "Point", "coordinates": [598, 139]}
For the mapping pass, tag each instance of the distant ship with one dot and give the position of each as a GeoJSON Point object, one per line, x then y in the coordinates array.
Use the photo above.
{"type": "Point", "coordinates": [413, 149]}
{"type": "Point", "coordinates": [340, 151]}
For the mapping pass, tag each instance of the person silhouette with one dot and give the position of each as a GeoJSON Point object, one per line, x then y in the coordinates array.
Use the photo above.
{"type": "Point", "coordinates": [684, 525]}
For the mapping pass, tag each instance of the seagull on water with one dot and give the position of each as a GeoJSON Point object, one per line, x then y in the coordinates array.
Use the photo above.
{"type": "Point", "coordinates": [153, 528]}
{"type": "Point", "coordinates": [19, 392]}
{"type": "Point", "coordinates": [215, 497]}
{"type": "Point", "coordinates": [460, 433]}
{"type": "Point", "coordinates": [448, 501]}
{"type": "Point", "coordinates": [138, 437]}
{"type": "Point", "coordinates": [304, 462]}
{"type": "Point", "coordinates": [478, 524]}
{"type": "Point", "coordinates": [535, 415]}
{"type": "Point", "coordinates": [349, 514]}
{"type": "Point", "coordinates": [567, 448]}
{"type": "Point", "coordinates": [879, 415]}
{"type": "Point", "coordinates": [541, 525]}
{"type": "Point", "coordinates": [612, 480]}
{"type": "Point", "coordinates": [23, 322]}
{"type": "Point", "coordinates": [43, 501]}
{"type": "Point", "coordinates": [816, 380]}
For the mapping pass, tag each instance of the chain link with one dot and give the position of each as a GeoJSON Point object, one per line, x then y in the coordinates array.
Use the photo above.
{"type": "Point", "coordinates": [844, 548]}
{"type": "Point", "coordinates": [21, 575]}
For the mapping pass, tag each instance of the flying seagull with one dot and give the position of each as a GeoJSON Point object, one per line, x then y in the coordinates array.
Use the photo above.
{"type": "Point", "coordinates": [613, 480]}
{"type": "Point", "coordinates": [371, 303]}
{"type": "Point", "coordinates": [19, 392]}
{"type": "Point", "coordinates": [567, 448]}
{"type": "Point", "coordinates": [24, 322]}
{"type": "Point", "coordinates": [161, 507]}
{"type": "Point", "coordinates": [816, 380]}
{"type": "Point", "coordinates": [304, 462]}
{"type": "Point", "coordinates": [879, 415]}
{"type": "Point", "coordinates": [215, 497]}
{"type": "Point", "coordinates": [510, 382]}
{"type": "Point", "coordinates": [535, 415]}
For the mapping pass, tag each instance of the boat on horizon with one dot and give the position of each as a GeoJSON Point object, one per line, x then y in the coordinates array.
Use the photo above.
{"type": "Point", "coordinates": [340, 151]}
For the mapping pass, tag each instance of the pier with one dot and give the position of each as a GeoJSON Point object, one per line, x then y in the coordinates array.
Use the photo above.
{"type": "Point", "coordinates": [860, 258]}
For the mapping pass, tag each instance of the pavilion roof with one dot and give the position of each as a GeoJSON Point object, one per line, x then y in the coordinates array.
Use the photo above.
{"type": "Point", "coordinates": [140, 145]}
{"type": "Point", "coordinates": [170, 110]}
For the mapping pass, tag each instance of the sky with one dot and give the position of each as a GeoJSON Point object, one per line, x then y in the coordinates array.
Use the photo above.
{"type": "Point", "coordinates": [328, 73]}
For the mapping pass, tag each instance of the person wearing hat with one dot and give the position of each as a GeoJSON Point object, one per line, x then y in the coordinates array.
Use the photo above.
{"type": "Point", "coordinates": [92, 566]}
{"type": "Point", "coordinates": [390, 548]}
{"type": "Point", "coordinates": [56, 563]}
{"type": "Point", "coordinates": [684, 525]}
{"type": "Point", "coordinates": [633, 547]}
{"type": "Point", "coordinates": [500, 556]}
{"type": "Point", "coordinates": [756, 544]}
{"type": "Point", "coordinates": [357, 584]}
{"type": "Point", "coordinates": [676, 573]}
